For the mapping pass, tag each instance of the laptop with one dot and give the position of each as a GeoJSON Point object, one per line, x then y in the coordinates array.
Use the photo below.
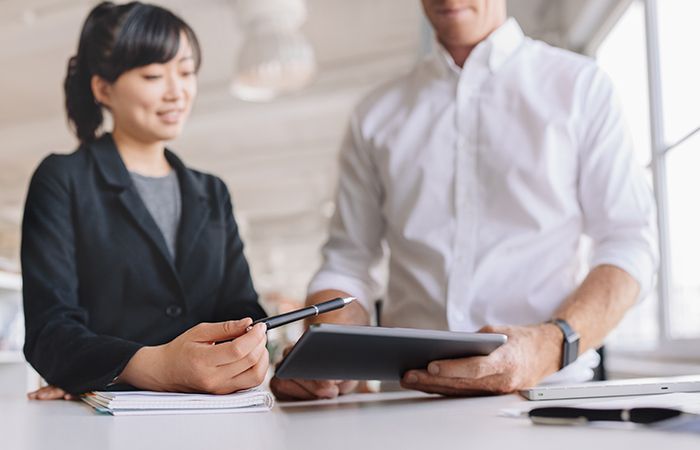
{"type": "Point", "coordinates": [614, 388]}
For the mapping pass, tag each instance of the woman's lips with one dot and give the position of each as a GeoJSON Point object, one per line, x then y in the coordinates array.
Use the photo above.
{"type": "Point", "coordinates": [171, 116]}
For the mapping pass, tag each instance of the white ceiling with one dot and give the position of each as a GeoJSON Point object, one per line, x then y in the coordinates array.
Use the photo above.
{"type": "Point", "coordinates": [277, 158]}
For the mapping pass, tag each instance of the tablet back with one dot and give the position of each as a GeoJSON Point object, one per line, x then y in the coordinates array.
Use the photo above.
{"type": "Point", "coordinates": [345, 352]}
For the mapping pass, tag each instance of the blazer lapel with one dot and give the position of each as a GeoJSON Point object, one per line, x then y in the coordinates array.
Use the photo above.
{"type": "Point", "coordinates": [117, 176]}
{"type": "Point", "coordinates": [136, 208]}
{"type": "Point", "coordinates": [195, 210]}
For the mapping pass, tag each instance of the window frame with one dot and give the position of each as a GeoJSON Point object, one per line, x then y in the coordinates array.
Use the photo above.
{"type": "Point", "coordinates": [667, 346]}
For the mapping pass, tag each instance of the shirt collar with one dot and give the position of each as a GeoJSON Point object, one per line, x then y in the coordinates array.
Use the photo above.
{"type": "Point", "coordinates": [492, 52]}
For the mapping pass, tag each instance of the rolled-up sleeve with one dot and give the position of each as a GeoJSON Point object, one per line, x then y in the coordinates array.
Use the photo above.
{"type": "Point", "coordinates": [354, 248]}
{"type": "Point", "coordinates": [615, 197]}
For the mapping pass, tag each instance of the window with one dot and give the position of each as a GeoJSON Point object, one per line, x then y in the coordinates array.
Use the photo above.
{"type": "Point", "coordinates": [672, 315]}
{"type": "Point", "coordinates": [622, 54]}
{"type": "Point", "coordinates": [680, 74]}
{"type": "Point", "coordinates": [683, 169]}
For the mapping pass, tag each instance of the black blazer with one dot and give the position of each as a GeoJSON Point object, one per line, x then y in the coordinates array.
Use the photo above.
{"type": "Point", "coordinates": [99, 281]}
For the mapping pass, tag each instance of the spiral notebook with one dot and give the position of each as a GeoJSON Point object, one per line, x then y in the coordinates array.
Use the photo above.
{"type": "Point", "coordinates": [148, 402]}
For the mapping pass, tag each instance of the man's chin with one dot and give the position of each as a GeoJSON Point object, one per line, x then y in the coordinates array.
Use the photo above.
{"type": "Point", "coordinates": [460, 35]}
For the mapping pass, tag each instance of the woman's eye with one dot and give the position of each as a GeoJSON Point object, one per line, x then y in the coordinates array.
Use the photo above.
{"type": "Point", "coordinates": [152, 77]}
{"type": "Point", "coordinates": [188, 73]}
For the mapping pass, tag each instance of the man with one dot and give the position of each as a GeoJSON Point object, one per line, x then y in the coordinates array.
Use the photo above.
{"type": "Point", "coordinates": [482, 169]}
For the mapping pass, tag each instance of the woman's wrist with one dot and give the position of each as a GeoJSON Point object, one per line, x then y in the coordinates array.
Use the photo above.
{"type": "Point", "coordinates": [145, 370]}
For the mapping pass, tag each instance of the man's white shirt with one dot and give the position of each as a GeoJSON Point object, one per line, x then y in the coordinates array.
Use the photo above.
{"type": "Point", "coordinates": [482, 181]}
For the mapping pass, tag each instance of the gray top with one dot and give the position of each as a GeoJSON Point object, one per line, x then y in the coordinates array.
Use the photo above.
{"type": "Point", "coordinates": [163, 200]}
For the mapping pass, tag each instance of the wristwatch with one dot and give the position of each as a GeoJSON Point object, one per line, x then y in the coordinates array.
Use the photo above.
{"type": "Point", "coordinates": [571, 341]}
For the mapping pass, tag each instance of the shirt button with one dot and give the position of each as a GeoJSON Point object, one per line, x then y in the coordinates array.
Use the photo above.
{"type": "Point", "coordinates": [173, 311]}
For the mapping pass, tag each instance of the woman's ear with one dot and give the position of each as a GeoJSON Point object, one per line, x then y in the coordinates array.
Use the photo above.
{"type": "Point", "coordinates": [101, 90]}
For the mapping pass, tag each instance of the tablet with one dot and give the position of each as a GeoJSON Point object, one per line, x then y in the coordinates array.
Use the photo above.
{"type": "Point", "coordinates": [347, 352]}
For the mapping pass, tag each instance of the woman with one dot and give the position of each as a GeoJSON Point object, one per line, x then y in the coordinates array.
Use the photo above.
{"type": "Point", "coordinates": [125, 250]}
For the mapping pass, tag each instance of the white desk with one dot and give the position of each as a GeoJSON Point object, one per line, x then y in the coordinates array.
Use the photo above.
{"type": "Point", "coordinates": [395, 420]}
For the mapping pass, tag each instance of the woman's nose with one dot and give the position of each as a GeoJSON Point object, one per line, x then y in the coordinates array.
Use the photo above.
{"type": "Point", "coordinates": [174, 87]}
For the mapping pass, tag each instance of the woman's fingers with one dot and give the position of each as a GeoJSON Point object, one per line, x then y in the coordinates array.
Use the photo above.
{"type": "Point", "coordinates": [238, 349]}
{"type": "Point", "coordinates": [246, 362]}
{"type": "Point", "coordinates": [249, 378]}
{"type": "Point", "coordinates": [49, 393]}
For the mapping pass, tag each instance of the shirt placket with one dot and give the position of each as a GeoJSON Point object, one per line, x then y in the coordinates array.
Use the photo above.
{"type": "Point", "coordinates": [460, 288]}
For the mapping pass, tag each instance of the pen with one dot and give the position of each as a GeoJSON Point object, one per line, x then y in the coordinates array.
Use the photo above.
{"type": "Point", "coordinates": [309, 311]}
{"type": "Point", "coordinates": [562, 415]}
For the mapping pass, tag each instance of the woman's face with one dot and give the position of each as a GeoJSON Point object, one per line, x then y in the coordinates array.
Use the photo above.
{"type": "Point", "coordinates": [151, 103]}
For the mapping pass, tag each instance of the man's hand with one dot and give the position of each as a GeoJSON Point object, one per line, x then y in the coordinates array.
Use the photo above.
{"type": "Point", "coordinates": [192, 363]}
{"type": "Point", "coordinates": [351, 314]}
{"type": "Point", "coordinates": [286, 389]}
{"type": "Point", "coordinates": [531, 353]}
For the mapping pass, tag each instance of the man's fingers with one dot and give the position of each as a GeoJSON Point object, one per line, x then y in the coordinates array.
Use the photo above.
{"type": "Point", "coordinates": [238, 349]}
{"type": "Point", "coordinates": [322, 388]}
{"type": "Point", "coordinates": [220, 331]}
{"type": "Point", "coordinates": [347, 386]}
{"type": "Point", "coordinates": [490, 329]}
{"type": "Point", "coordinates": [442, 390]}
{"type": "Point", "coordinates": [287, 390]}
{"type": "Point", "coordinates": [424, 381]}
{"type": "Point", "coordinates": [290, 390]}
{"type": "Point", "coordinates": [474, 367]}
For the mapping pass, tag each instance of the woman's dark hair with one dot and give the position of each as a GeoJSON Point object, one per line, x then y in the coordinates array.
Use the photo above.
{"type": "Point", "coordinates": [114, 39]}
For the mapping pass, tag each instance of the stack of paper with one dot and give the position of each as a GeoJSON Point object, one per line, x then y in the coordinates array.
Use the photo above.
{"type": "Point", "coordinates": [148, 402]}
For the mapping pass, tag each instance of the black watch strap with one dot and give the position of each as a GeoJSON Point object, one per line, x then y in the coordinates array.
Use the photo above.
{"type": "Point", "coordinates": [571, 341]}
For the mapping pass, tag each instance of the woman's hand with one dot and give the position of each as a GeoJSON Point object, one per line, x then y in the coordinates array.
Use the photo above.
{"type": "Point", "coordinates": [193, 362]}
{"type": "Point", "coordinates": [50, 393]}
